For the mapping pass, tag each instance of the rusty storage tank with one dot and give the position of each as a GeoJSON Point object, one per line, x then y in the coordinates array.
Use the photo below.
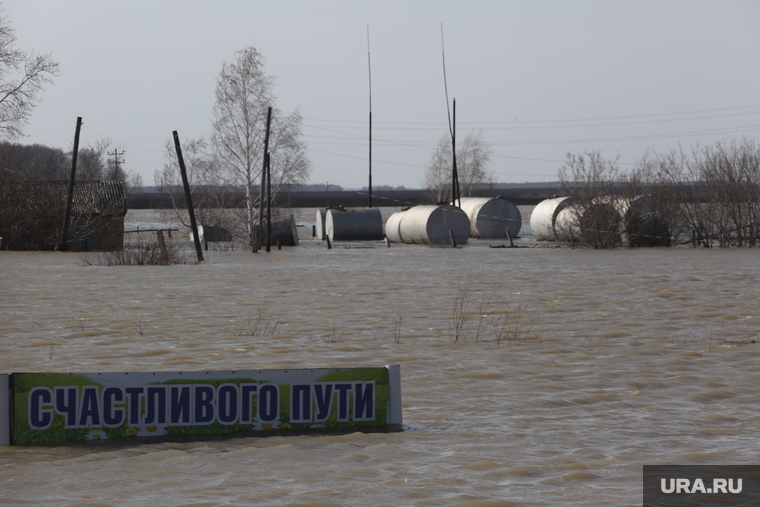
{"type": "Point", "coordinates": [544, 217]}
{"type": "Point", "coordinates": [284, 232]}
{"type": "Point", "coordinates": [320, 223]}
{"type": "Point", "coordinates": [354, 224]}
{"type": "Point", "coordinates": [490, 217]}
{"type": "Point", "coordinates": [429, 225]}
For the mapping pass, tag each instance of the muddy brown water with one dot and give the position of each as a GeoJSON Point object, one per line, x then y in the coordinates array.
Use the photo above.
{"type": "Point", "coordinates": [608, 360]}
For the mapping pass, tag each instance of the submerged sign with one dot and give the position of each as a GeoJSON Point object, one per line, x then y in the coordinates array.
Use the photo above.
{"type": "Point", "coordinates": [55, 407]}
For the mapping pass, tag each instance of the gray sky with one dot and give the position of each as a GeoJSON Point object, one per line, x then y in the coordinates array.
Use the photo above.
{"type": "Point", "coordinates": [539, 78]}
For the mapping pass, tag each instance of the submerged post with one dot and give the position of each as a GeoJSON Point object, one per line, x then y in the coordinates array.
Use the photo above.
{"type": "Point", "coordinates": [162, 246]}
{"type": "Point", "coordinates": [188, 198]}
{"type": "Point", "coordinates": [509, 237]}
{"type": "Point", "coordinates": [70, 199]}
{"type": "Point", "coordinates": [455, 175]}
{"type": "Point", "coordinates": [260, 235]}
{"type": "Point", "coordinates": [269, 203]}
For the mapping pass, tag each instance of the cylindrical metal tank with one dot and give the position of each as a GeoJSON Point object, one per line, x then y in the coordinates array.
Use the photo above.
{"type": "Point", "coordinates": [598, 223]}
{"type": "Point", "coordinates": [285, 232]}
{"type": "Point", "coordinates": [566, 225]}
{"type": "Point", "coordinates": [354, 224]}
{"type": "Point", "coordinates": [491, 216]}
{"type": "Point", "coordinates": [429, 225]}
{"type": "Point", "coordinates": [645, 222]}
{"type": "Point", "coordinates": [392, 227]}
{"type": "Point", "coordinates": [320, 219]}
{"type": "Point", "coordinates": [638, 221]}
{"type": "Point", "coordinates": [544, 217]}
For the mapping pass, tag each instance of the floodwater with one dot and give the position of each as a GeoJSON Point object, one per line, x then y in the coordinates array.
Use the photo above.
{"type": "Point", "coordinates": [571, 370]}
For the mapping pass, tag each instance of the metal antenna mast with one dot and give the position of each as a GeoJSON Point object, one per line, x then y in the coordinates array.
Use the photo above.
{"type": "Point", "coordinates": [452, 130]}
{"type": "Point", "coordinates": [369, 67]}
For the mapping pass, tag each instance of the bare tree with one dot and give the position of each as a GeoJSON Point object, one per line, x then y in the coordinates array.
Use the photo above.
{"type": "Point", "coordinates": [473, 156]}
{"type": "Point", "coordinates": [96, 163]}
{"type": "Point", "coordinates": [34, 162]}
{"type": "Point", "coordinates": [134, 182]}
{"type": "Point", "coordinates": [91, 161]}
{"type": "Point", "coordinates": [214, 204]}
{"type": "Point", "coordinates": [244, 92]}
{"type": "Point", "coordinates": [731, 173]}
{"type": "Point", "coordinates": [22, 77]}
{"type": "Point", "coordinates": [593, 182]}
{"type": "Point", "coordinates": [681, 190]}
{"type": "Point", "coordinates": [713, 193]}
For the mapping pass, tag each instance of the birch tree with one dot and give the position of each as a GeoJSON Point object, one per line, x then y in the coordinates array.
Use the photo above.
{"type": "Point", "coordinates": [473, 156]}
{"type": "Point", "coordinates": [244, 92]}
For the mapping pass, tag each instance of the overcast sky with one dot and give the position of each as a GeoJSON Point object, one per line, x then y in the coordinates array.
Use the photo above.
{"type": "Point", "coordinates": [538, 78]}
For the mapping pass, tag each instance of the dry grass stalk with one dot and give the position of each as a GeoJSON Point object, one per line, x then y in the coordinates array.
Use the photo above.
{"type": "Point", "coordinates": [262, 323]}
{"type": "Point", "coordinates": [139, 253]}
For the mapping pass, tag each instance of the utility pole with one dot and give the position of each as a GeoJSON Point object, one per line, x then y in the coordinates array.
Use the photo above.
{"type": "Point", "coordinates": [63, 245]}
{"type": "Point", "coordinates": [259, 239]}
{"type": "Point", "coordinates": [456, 198]}
{"type": "Point", "coordinates": [269, 203]}
{"type": "Point", "coordinates": [115, 161]}
{"type": "Point", "coordinates": [188, 198]}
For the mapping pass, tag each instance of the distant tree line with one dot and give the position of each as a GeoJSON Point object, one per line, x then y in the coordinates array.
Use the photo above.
{"type": "Point", "coordinates": [37, 163]}
{"type": "Point", "coordinates": [33, 195]}
{"type": "Point", "coordinates": [706, 196]}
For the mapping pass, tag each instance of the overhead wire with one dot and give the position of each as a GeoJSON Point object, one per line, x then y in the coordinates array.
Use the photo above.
{"type": "Point", "coordinates": [120, 143]}
{"type": "Point", "coordinates": [652, 115]}
{"type": "Point", "coordinates": [343, 137]}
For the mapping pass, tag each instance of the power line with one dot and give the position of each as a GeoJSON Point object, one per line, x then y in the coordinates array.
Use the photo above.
{"type": "Point", "coordinates": [568, 120]}
{"type": "Point", "coordinates": [116, 160]}
{"type": "Point", "coordinates": [532, 126]}
{"type": "Point", "coordinates": [126, 145]}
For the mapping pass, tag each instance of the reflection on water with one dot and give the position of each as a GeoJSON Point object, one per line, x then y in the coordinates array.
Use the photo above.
{"type": "Point", "coordinates": [627, 357]}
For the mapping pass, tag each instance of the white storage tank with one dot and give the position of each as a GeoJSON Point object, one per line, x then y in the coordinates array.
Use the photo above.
{"type": "Point", "coordinates": [599, 221]}
{"type": "Point", "coordinates": [429, 225]}
{"type": "Point", "coordinates": [543, 219]}
{"type": "Point", "coordinates": [392, 225]}
{"type": "Point", "coordinates": [320, 222]}
{"type": "Point", "coordinates": [642, 220]}
{"type": "Point", "coordinates": [639, 221]}
{"type": "Point", "coordinates": [490, 217]}
{"type": "Point", "coordinates": [354, 224]}
{"type": "Point", "coordinates": [566, 225]}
